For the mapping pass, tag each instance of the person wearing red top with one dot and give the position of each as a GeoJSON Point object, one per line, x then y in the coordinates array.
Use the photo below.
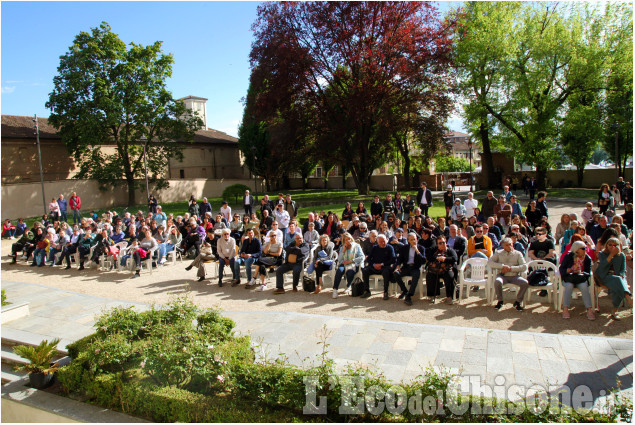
{"type": "Point", "coordinates": [8, 229]}
{"type": "Point", "coordinates": [76, 204]}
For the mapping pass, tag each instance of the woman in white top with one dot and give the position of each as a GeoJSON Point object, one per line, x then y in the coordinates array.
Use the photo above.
{"type": "Point", "coordinates": [272, 249]}
{"type": "Point", "coordinates": [469, 204]}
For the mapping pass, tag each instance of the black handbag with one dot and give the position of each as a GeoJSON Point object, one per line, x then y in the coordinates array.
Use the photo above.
{"type": "Point", "coordinates": [577, 278]}
{"type": "Point", "coordinates": [357, 287]}
{"type": "Point", "coordinates": [538, 277]}
{"type": "Point", "coordinates": [308, 284]}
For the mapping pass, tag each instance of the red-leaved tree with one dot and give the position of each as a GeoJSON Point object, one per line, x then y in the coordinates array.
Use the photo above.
{"type": "Point", "coordinates": [356, 66]}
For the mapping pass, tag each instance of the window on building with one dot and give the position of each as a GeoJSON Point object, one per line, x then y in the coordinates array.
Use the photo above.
{"type": "Point", "coordinates": [336, 171]}
{"type": "Point", "coordinates": [318, 172]}
{"type": "Point", "coordinates": [182, 174]}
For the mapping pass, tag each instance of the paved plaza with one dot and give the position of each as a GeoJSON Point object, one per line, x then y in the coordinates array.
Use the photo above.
{"type": "Point", "coordinates": [399, 350]}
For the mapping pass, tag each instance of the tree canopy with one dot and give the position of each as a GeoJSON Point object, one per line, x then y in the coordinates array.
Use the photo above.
{"type": "Point", "coordinates": [522, 64]}
{"type": "Point", "coordinates": [107, 93]}
{"type": "Point", "coordinates": [352, 70]}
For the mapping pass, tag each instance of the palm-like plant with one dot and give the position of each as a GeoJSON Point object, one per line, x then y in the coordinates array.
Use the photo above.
{"type": "Point", "coordinates": [39, 357]}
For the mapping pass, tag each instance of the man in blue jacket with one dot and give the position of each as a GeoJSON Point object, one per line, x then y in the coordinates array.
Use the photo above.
{"type": "Point", "coordinates": [63, 203]}
{"type": "Point", "coordinates": [380, 261]}
{"type": "Point", "coordinates": [249, 253]}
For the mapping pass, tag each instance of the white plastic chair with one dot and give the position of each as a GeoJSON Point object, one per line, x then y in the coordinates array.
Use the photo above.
{"type": "Point", "coordinates": [594, 296]}
{"type": "Point", "coordinates": [480, 276]}
{"type": "Point", "coordinates": [552, 287]}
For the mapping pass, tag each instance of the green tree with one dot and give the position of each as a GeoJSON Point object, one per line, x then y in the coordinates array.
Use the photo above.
{"type": "Point", "coordinates": [479, 63]}
{"type": "Point", "coordinates": [451, 164]}
{"type": "Point", "coordinates": [618, 106]}
{"type": "Point", "coordinates": [581, 130]}
{"type": "Point", "coordinates": [550, 52]}
{"type": "Point", "coordinates": [107, 94]}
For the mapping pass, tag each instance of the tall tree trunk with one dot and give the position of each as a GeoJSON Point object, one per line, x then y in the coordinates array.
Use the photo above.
{"type": "Point", "coordinates": [132, 199]}
{"type": "Point", "coordinates": [541, 173]}
{"type": "Point", "coordinates": [580, 173]}
{"type": "Point", "coordinates": [406, 172]}
{"type": "Point", "coordinates": [487, 164]}
{"type": "Point", "coordinates": [344, 172]}
{"type": "Point", "coordinates": [305, 181]}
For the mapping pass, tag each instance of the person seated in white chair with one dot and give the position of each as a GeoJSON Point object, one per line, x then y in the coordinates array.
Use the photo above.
{"type": "Point", "coordinates": [575, 271]}
{"type": "Point", "coordinates": [509, 264]}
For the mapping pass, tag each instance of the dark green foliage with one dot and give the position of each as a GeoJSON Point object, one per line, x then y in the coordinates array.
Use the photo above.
{"type": "Point", "coordinates": [235, 191]}
{"type": "Point", "coordinates": [180, 364]}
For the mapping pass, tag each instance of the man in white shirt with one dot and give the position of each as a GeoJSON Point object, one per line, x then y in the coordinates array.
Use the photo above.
{"type": "Point", "coordinates": [469, 204]}
{"type": "Point", "coordinates": [226, 212]}
{"type": "Point", "coordinates": [276, 230]}
{"type": "Point", "coordinates": [226, 250]}
{"type": "Point", "coordinates": [248, 202]}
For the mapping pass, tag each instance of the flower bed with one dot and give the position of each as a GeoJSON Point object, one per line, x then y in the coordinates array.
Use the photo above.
{"type": "Point", "coordinates": [182, 364]}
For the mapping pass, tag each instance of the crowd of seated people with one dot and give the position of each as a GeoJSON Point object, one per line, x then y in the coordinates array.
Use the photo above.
{"type": "Point", "coordinates": [392, 239]}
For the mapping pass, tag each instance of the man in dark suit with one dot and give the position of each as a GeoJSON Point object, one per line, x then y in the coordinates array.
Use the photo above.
{"type": "Point", "coordinates": [532, 185]}
{"type": "Point", "coordinates": [424, 198]}
{"type": "Point", "coordinates": [409, 263]}
{"type": "Point", "coordinates": [248, 203]}
{"type": "Point", "coordinates": [457, 242]}
{"type": "Point", "coordinates": [380, 261]}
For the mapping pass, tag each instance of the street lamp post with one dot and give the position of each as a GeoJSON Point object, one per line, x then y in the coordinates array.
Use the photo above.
{"type": "Point", "coordinates": [469, 144]}
{"type": "Point", "coordinates": [144, 140]}
{"type": "Point", "coordinates": [253, 152]}
{"type": "Point", "coordinates": [39, 154]}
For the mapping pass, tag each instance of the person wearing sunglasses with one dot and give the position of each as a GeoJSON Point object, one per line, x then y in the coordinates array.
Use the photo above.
{"type": "Point", "coordinates": [542, 248]}
{"type": "Point", "coordinates": [479, 245]}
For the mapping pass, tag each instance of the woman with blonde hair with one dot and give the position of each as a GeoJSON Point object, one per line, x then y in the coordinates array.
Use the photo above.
{"type": "Point", "coordinates": [322, 260]}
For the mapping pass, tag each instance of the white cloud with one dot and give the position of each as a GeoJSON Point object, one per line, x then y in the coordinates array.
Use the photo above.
{"type": "Point", "coordinates": [14, 81]}
{"type": "Point", "coordinates": [7, 89]}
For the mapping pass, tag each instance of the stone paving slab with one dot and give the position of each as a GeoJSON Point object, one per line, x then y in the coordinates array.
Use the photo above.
{"type": "Point", "coordinates": [399, 350]}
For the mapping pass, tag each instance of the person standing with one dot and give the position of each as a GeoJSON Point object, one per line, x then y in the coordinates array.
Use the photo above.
{"type": "Point", "coordinates": [152, 204]}
{"type": "Point", "coordinates": [532, 186]}
{"type": "Point", "coordinates": [63, 204]}
{"type": "Point", "coordinates": [424, 198]}
{"type": "Point", "coordinates": [448, 200]}
{"type": "Point", "coordinates": [248, 202]}
{"type": "Point", "coordinates": [290, 206]}
{"type": "Point", "coordinates": [76, 205]}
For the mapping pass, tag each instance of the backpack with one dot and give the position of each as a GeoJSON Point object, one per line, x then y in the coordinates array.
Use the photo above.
{"type": "Point", "coordinates": [357, 287]}
{"type": "Point", "coordinates": [308, 284]}
{"type": "Point", "coordinates": [538, 277]}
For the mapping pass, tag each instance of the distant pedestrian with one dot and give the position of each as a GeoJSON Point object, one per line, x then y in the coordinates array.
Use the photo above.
{"type": "Point", "coordinates": [532, 186]}
{"type": "Point", "coordinates": [63, 204]}
{"type": "Point", "coordinates": [152, 204]}
{"type": "Point", "coordinates": [76, 205]}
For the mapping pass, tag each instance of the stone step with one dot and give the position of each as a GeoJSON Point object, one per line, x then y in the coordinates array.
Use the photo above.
{"type": "Point", "coordinates": [13, 337]}
{"type": "Point", "coordinates": [10, 375]}
{"type": "Point", "coordinates": [9, 357]}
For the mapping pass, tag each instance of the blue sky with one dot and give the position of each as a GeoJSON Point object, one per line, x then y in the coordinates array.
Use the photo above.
{"type": "Point", "coordinates": [210, 42]}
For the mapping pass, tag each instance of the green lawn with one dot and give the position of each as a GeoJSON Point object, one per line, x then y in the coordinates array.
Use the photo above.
{"type": "Point", "coordinates": [334, 200]}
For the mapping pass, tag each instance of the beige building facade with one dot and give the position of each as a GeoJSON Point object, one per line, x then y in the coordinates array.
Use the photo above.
{"type": "Point", "coordinates": [212, 155]}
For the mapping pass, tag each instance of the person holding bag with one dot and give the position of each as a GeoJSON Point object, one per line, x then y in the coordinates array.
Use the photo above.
{"type": "Point", "coordinates": [575, 271]}
{"type": "Point", "coordinates": [271, 256]}
{"type": "Point", "coordinates": [323, 261]}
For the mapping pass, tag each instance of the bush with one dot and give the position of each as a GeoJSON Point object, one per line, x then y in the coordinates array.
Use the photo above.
{"type": "Point", "coordinates": [180, 364]}
{"type": "Point", "coordinates": [234, 190]}
{"type": "Point", "coordinates": [4, 298]}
